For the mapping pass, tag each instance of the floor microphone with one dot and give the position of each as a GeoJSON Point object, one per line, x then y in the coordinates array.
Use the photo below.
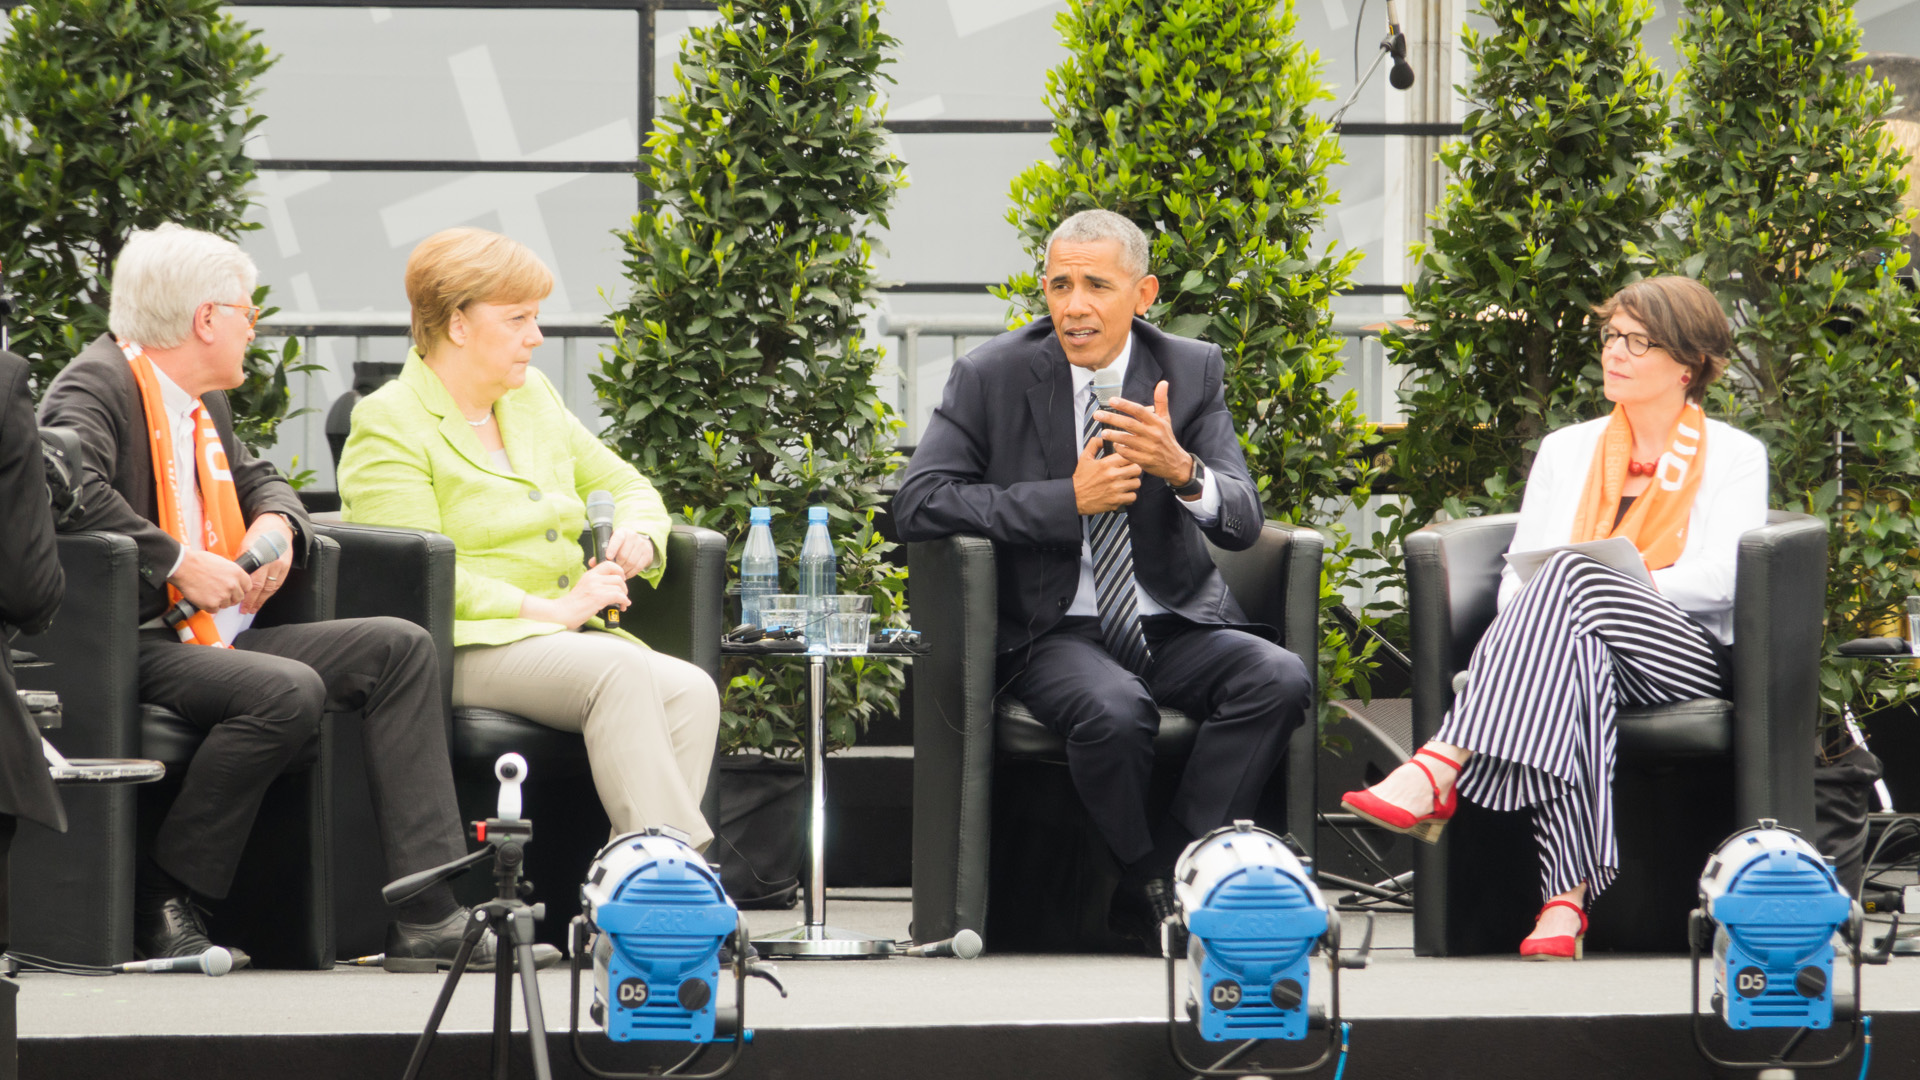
{"type": "Point", "coordinates": [600, 520]}
{"type": "Point", "coordinates": [966, 945]}
{"type": "Point", "coordinates": [215, 961]}
{"type": "Point", "coordinates": [265, 548]}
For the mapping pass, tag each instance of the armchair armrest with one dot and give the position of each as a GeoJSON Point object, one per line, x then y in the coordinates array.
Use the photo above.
{"type": "Point", "coordinates": [93, 647]}
{"type": "Point", "coordinates": [403, 573]}
{"type": "Point", "coordinates": [1779, 610]}
{"type": "Point", "coordinates": [954, 597]}
{"type": "Point", "coordinates": [684, 615]}
{"type": "Point", "coordinates": [308, 594]}
{"type": "Point", "coordinates": [1453, 591]}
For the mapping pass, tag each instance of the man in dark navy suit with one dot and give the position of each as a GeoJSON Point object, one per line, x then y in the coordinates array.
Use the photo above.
{"type": "Point", "coordinates": [1099, 512]}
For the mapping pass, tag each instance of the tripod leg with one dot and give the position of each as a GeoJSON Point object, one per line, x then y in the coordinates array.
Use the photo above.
{"type": "Point", "coordinates": [475, 927]}
{"type": "Point", "coordinates": [502, 999]}
{"type": "Point", "coordinates": [530, 991]}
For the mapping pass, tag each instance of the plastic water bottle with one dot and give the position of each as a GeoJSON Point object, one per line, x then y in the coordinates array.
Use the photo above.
{"type": "Point", "coordinates": [759, 565]}
{"type": "Point", "coordinates": [819, 576]}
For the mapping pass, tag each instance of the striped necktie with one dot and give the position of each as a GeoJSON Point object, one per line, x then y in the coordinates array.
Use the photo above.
{"type": "Point", "coordinates": [1113, 577]}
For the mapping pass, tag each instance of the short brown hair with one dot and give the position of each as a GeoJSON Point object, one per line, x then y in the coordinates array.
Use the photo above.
{"type": "Point", "coordinates": [1683, 317]}
{"type": "Point", "coordinates": [456, 267]}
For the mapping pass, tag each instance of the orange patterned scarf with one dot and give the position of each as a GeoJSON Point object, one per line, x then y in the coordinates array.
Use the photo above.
{"type": "Point", "coordinates": [222, 526]}
{"type": "Point", "coordinates": [1657, 522]}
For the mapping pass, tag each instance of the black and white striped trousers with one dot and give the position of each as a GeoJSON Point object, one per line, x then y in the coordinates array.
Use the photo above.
{"type": "Point", "coordinates": [1579, 641]}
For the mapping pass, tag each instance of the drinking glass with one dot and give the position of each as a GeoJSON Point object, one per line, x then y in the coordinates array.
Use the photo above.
{"type": "Point", "coordinates": [847, 632]}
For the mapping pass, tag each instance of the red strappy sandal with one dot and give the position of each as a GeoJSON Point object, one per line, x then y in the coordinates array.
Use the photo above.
{"type": "Point", "coordinates": [1388, 816]}
{"type": "Point", "coordinates": [1557, 948]}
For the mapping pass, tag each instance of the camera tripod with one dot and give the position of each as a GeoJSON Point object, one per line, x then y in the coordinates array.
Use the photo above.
{"type": "Point", "coordinates": [509, 918]}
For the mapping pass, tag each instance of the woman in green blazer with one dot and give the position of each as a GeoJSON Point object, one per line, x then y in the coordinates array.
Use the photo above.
{"type": "Point", "coordinates": [472, 442]}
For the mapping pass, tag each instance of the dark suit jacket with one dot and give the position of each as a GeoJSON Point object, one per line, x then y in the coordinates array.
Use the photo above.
{"type": "Point", "coordinates": [97, 397]}
{"type": "Point", "coordinates": [31, 583]}
{"type": "Point", "coordinates": [998, 457]}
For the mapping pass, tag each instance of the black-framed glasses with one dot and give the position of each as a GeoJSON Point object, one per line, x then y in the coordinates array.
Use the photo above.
{"type": "Point", "coordinates": [253, 311]}
{"type": "Point", "coordinates": [1637, 342]}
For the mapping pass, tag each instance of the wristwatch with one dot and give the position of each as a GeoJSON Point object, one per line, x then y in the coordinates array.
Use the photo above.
{"type": "Point", "coordinates": [1196, 483]}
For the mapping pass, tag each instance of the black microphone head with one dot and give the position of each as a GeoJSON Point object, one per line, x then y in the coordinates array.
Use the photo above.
{"type": "Point", "coordinates": [599, 508]}
{"type": "Point", "coordinates": [1401, 77]}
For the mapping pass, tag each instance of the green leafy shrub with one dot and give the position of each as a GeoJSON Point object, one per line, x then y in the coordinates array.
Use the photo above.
{"type": "Point", "coordinates": [1193, 118]}
{"type": "Point", "coordinates": [740, 376]}
{"type": "Point", "coordinates": [1552, 191]}
{"type": "Point", "coordinates": [1788, 200]}
{"type": "Point", "coordinates": [116, 116]}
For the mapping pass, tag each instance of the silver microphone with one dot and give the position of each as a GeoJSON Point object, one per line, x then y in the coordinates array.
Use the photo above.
{"type": "Point", "coordinates": [1106, 387]}
{"type": "Point", "coordinates": [966, 945]}
{"type": "Point", "coordinates": [265, 548]}
{"type": "Point", "coordinates": [215, 961]}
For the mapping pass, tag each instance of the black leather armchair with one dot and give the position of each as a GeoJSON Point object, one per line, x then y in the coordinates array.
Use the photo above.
{"type": "Point", "coordinates": [73, 892]}
{"type": "Point", "coordinates": [1689, 773]}
{"type": "Point", "coordinates": [408, 574]}
{"type": "Point", "coordinates": [963, 733]}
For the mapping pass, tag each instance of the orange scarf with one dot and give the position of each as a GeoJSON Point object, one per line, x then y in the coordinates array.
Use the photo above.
{"type": "Point", "coordinates": [1657, 522]}
{"type": "Point", "coordinates": [222, 527]}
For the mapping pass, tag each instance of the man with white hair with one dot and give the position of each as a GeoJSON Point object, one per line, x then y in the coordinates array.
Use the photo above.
{"type": "Point", "coordinates": [1099, 511]}
{"type": "Point", "coordinates": [163, 467]}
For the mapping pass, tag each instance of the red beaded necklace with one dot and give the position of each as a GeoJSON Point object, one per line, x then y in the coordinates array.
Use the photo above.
{"type": "Point", "coordinates": [1642, 468]}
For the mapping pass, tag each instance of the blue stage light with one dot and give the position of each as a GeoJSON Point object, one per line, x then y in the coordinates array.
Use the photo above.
{"type": "Point", "coordinates": [1254, 919]}
{"type": "Point", "coordinates": [1773, 918]}
{"type": "Point", "coordinates": [658, 916]}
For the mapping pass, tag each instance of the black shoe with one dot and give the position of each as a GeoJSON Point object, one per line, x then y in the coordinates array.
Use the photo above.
{"type": "Point", "coordinates": [431, 946]}
{"type": "Point", "coordinates": [173, 928]}
{"type": "Point", "coordinates": [1165, 905]}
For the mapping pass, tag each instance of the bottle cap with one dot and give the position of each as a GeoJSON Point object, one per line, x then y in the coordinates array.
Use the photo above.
{"type": "Point", "coordinates": [760, 515]}
{"type": "Point", "coordinates": [816, 515]}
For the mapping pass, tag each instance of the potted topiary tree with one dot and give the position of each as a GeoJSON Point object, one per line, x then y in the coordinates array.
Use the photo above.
{"type": "Point", "coordinates": [741, 377]}
{"type": "Point", "coordinates": [116, 117]}
{"type": "Point", "coordinates": [1552, 190]}
{"type": "Point", "coordinates": [1194, 118]}
{"type": "Point", "coordinates": [1787, 193]}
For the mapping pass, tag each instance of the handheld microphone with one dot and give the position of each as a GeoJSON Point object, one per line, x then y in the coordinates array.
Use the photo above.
{"type": "Point", "coordinates": [966, 945]}
{"type": "Point", "coordinates": [600, 520]}
{"type": "Point", "coordinates": [1106, 386]}
{"type": "Point", "coordinates": [265, 548]}
{"type": "Point", "coordinates": [215, 961]}
{"type": "Point", "coordinates": [1400, 77]}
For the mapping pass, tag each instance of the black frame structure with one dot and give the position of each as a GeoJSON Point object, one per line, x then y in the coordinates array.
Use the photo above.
{"type": "Point", "coordinates": [648, 11]}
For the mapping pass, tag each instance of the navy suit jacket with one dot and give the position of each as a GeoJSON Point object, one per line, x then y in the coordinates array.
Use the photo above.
{"type": "Point", "coordinates": [998, 456]}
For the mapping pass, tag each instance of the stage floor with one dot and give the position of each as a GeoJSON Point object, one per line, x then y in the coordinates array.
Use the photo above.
{"type": "Point", "coordinates": [908, 992]}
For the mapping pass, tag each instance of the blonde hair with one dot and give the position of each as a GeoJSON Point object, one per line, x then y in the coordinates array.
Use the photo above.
{"type": "Point", "coordinates": [457, 267]}
{"type": "Point", "coordinates": [165, 273]}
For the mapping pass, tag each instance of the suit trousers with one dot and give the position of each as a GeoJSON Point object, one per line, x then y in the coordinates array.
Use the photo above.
{"type": "Point", "coordinates": [260, 704]}
{"type": "Point", "coordinates": [649, 720]}
{"type": "Point", "coordinates": [1247, 694]}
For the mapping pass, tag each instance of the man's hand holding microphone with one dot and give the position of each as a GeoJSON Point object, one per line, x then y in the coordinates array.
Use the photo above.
{"type": "Point", "coordinates": [212, 582]}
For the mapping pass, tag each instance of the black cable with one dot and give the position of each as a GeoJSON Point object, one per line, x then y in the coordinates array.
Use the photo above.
{"type": "Point", "coordinates": [1359, 22]}
{"type": "Point", "coordinates": [30, 962]}
{"type": "Point", "coordinates": [1886, 834]}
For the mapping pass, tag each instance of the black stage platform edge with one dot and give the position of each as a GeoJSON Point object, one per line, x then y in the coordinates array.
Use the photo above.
{"type": "Point", "coordinates": [1505, 1048]}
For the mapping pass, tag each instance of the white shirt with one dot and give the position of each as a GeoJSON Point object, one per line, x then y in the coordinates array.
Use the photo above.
{"type": "Point", "coordinates": [1205, 509]}
{"type": "Point", "coordinates": [181, 407]}
{"type": "Point", "coordinates": [1731, 500]}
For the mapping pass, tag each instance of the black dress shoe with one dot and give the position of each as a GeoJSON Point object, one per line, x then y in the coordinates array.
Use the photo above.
{"type": "Point", "coordinates": [431, 946]}
{"type": "Point", "coordinates": [173, 928]}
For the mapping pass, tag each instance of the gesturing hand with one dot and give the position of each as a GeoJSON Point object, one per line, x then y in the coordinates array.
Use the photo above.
{"type": "Point", "coordinates": [1145, 437]}
{"type": "Point", "coordinates": [1101, 484]}
{"type": "Point", "coordinates": [631, 550]}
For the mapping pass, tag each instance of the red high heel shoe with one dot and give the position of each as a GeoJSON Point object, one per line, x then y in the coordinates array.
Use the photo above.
{"type": "Point", "coordinates": [1388, 816]}
{"type": "Point", "coordinates": [1557, 948]}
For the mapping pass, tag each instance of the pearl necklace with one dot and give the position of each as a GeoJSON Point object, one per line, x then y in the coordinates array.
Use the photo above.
{"type": "Point", "coordinates": [482, 422]}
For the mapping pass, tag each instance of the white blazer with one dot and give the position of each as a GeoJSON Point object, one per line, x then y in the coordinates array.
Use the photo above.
{"type": "Point", "coordinates": [1731, 499]}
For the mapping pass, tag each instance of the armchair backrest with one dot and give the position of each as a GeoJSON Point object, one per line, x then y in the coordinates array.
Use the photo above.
{"type": "Point", "coordinates": [1779, 616]}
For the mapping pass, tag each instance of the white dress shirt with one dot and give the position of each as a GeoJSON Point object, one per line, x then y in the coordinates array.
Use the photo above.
{"type": "Point", "coordinates": [1730, 501]}
{"type": "Point", "coordinates": [1205, 509]}
{"type": "Point", "coordinates": [181, 407]}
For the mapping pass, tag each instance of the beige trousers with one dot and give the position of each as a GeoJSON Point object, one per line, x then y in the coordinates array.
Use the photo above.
{"type": "Point", "coordinates": [649, 719]}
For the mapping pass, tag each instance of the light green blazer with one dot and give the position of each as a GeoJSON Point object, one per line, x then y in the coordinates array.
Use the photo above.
{"type": "Point", "coordinates": [413, 461]}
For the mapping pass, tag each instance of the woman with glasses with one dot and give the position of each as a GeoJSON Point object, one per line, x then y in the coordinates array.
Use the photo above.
{"type": "Point", "coordinates": [473, 442]}
{"type": "Point", "coordinates": [1534, 725]}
